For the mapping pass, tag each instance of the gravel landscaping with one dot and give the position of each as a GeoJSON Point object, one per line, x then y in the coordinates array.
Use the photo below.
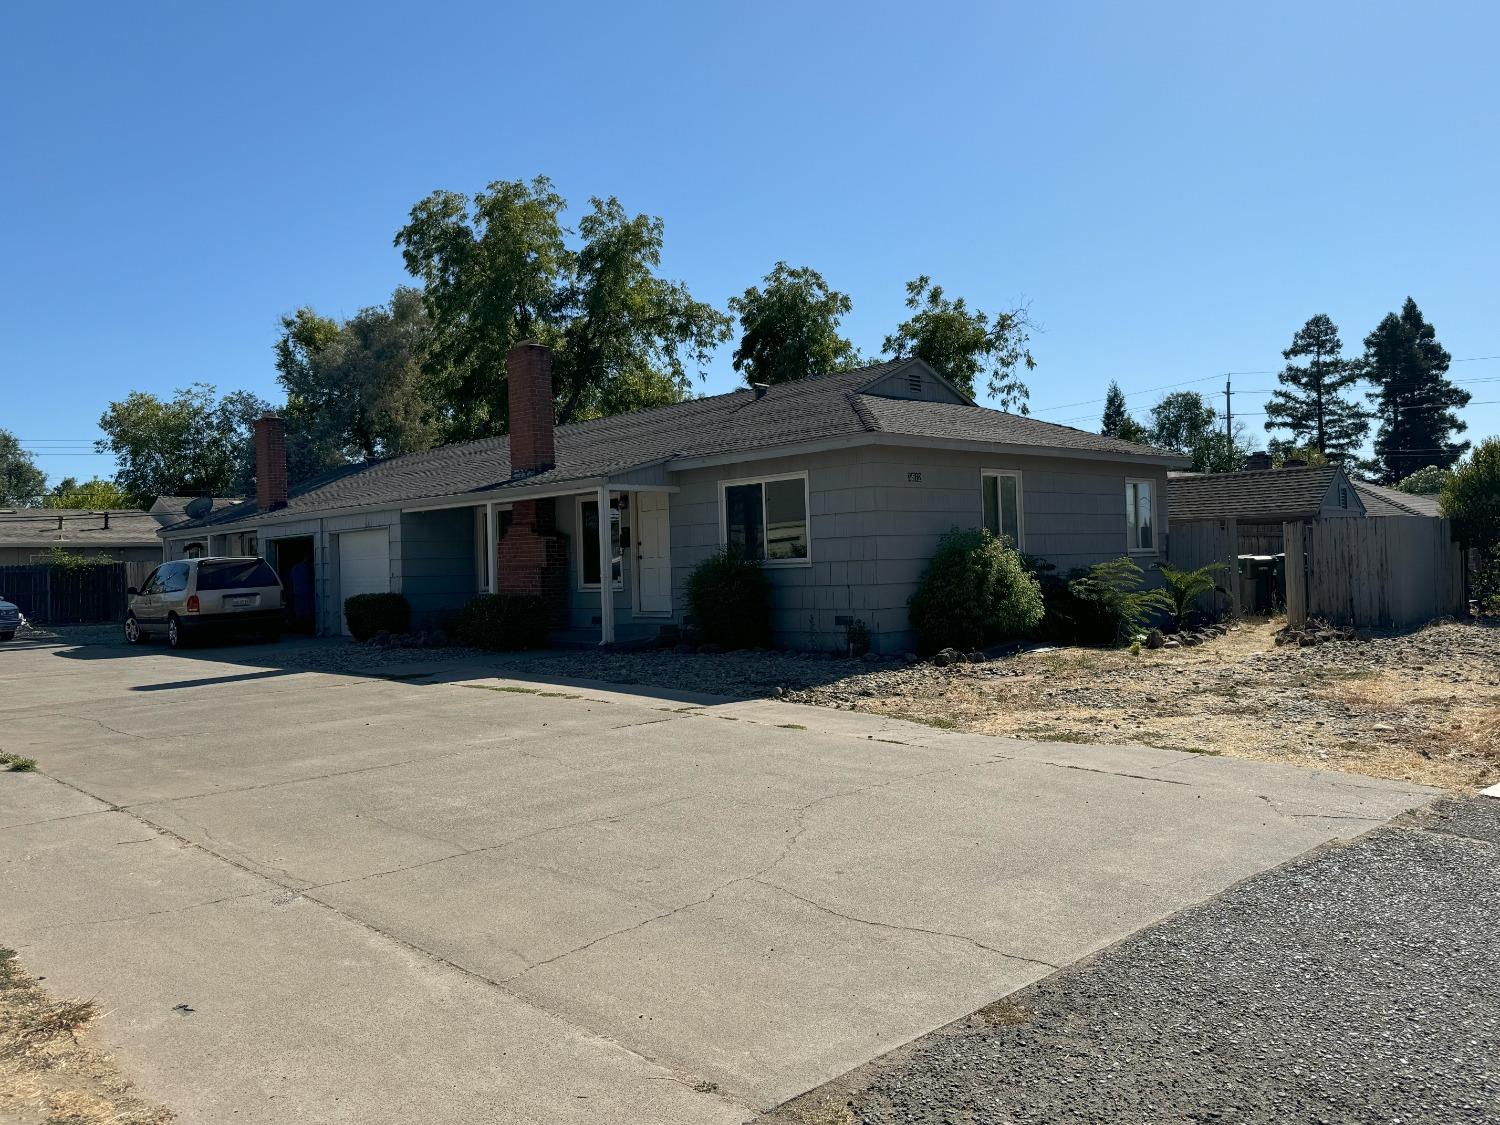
{"type": "Point", "coordinates": [1420, 707]}
{"type": "Point", "coordinates": [1357, 984]}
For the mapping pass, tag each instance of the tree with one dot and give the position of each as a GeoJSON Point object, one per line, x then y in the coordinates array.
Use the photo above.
{"type": "Point", "coordinates": [1284, 451]}
{"type": "Point", "coordinates": [790, 328]}
{"type": "Point", "coordinates": [193, 443]}
{"type": "Point", "coordinates": [498, 269]}
{"type": "Point", "coordinates": [355, 390]}
{"type": "Point", "coordinates": [1185, 587]}
{"type": "Point", "coordinates": [95, 495]}
{"type": "Point", "coordinates": [1426, 481]}
{"type": "Point", "coordinates": [1117, 422]}
{"type": "Point", "coordinates": [21, 482]}
{"type": "Point", "coordinates": [1184, 421]}
{"type": "Point", "coordinates": [1471, 499]}
{"type": "Point", "coordinates": [1309, 402]}
{"type": "Point", "coordinates": [1413, 399]}
{"type": "Point", "coordinates": [963, 344]}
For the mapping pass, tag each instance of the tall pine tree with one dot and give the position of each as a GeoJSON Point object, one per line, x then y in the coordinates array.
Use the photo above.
{"type": "Point", "coordinates": [1309, 402]}
{"type": "Point", "coordinates": [1413, 398]}
{"type": "Point", "coordinates": [1117, 422]}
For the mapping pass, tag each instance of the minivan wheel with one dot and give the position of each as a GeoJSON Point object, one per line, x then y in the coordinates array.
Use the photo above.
{"type": "Point", "coordinates": [176, 635]}
{"type": "Point", "coordinates": [132, 630]}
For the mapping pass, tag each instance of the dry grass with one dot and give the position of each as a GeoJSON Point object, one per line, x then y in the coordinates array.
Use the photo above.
{"type": "Point", "coordinates": [1418, 708]}
{"type": "Point", "coordinates": [51, 1070]}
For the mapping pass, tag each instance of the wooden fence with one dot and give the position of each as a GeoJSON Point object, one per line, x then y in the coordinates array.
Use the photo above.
{"type": "Point", "coordinates": [1195, 543]}
{"type": "Point", "coordinates": [1380, 572]}
{"type": "Point", "coordinates": [54, 595]}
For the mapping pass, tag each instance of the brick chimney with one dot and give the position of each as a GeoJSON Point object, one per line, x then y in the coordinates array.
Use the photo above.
{"type": "Point", "coordinates": [270, 463]}
{"type": "Point", "coordinates": [528, 373]}
{"type": "Point", "coordinates": [1259, 460]}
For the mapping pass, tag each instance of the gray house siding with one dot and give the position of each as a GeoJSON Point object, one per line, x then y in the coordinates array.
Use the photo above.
{"type": "Point", "coordinates": [877, 514]}
{"type": "Point", "coordinates": [437, 568]}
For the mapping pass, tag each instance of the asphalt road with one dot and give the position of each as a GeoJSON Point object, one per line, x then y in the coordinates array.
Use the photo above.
{"type": "Point", "coordinates": [1358, 984]}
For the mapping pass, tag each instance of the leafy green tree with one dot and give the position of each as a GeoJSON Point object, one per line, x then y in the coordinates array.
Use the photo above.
{"type": "Point", "coordinates": [964, 344]}
{"type": "Point", "coordinates": [498, 269]}
{"type": "Point", "coordinates": [1427, 481]}
{"type": "Point", "coordinates": [1117, 422]}
{"type": "Point", "coordinates": [790, 328]}
{"type": "Point", "coordinates": [1471, 499]}
{"type": "Point", "coordinates": [1310, 402]}
{"type": "Point", "coordinates": [1413, 398]}
{"type": "Point", "coordinates": [1284, 451]}
{"type": "Point", "coordinates": [21, 482]}
{"type": "Point", "coordinates": [194, 442]}
{"type": "Point", "coordinates": [631, 334]}
{"type": "Point", "coordinates": [355, 390]}
{"type": "Point", "coordinates": [1185, 422]}
{"type": "Point", "coordinates": [95, 495]}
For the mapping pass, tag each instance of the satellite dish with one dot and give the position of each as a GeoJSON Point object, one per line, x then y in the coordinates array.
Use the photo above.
{"type": "Point", "coordinates": [198, 507]}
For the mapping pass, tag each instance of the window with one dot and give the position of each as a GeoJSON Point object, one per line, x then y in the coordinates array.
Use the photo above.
{"type": "Point", "coordinates": [766, 519]}
{"type": "Point", "coordinates": [1002, 504]}
{"type": "Point", "coordinates": [235, 575]}
{"type": "Point", "coordinates": [171, 578]}
{"type": "Point", "coordinates": [1140, 515]}
{"type": "Point", "coordinates": [588, 543]}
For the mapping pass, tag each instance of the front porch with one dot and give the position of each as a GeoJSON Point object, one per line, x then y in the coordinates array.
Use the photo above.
{"type": "Point", "coordinates": [607, 581]}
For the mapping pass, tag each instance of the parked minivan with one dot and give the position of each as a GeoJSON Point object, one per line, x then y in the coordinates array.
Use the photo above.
{"type": "Point", "coordinates": [191, 598]}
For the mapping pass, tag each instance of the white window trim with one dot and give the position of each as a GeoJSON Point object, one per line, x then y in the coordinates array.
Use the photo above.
{"type": "Point", "coordinates": [1020, 543]}
{"type": "Point", "coordinates": [614, 499]}
{"type": "Point", "coordinates": [1130, 547]}
{"type": "Point", "coordinates": [806, 510]}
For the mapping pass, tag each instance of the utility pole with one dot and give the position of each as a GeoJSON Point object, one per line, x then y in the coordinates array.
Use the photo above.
{"type": "Point", "coordinates": [1228, 416]}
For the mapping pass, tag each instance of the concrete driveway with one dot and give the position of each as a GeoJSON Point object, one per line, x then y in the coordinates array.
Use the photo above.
{"type": "Point", "coordinates": [447, 898]}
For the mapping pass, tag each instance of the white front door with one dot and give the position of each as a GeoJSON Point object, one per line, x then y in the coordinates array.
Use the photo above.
{"type": "Point", "coordinates": [364, 566]}
{"type": "Point", "coordinates": [653, 552]}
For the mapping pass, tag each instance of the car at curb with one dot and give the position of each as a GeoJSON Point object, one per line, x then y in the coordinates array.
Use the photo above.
{"type": "Point", "coordinates": [10, 619]}
{"type": "Point", "coordinates": [190, 599]}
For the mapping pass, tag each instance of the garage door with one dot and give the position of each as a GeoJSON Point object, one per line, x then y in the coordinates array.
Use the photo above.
{"type": "Point", "coordinates": [364, 565]}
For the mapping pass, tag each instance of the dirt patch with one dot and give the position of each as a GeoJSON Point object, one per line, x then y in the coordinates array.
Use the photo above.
{"type": "Point", "coordinates": [1422, 707]}
{"type": "Point", "coordinates": [52, 1071]}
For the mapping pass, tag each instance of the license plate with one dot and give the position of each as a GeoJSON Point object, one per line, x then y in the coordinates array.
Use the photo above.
{"type": "Point", "coordinates": [246, 602]}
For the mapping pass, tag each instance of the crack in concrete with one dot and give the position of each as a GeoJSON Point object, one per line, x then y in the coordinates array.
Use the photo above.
{"type": "Point", "coordinates": [149, 913]}
{"type": "Point", "coordinates": [906, 928]}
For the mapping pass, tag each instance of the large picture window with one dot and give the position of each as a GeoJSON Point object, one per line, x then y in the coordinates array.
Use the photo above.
{"type": "Point", "coordinates": [1140, 515]}
{"type": "Point", "coordinates": [1002, 504]}
{"type": "Point", "coordinates": [767, 519]}
{"type": "Point", "coordinates": [588, 545]}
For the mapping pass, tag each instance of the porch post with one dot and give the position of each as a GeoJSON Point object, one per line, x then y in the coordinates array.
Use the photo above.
{"type": "Point", "coordinates": [606, 566]}
{"type": "Point", "coordinates": [491, 550]}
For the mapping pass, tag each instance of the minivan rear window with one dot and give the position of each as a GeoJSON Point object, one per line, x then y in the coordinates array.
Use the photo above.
{"type": "Point", "coordinates": [235, 575]}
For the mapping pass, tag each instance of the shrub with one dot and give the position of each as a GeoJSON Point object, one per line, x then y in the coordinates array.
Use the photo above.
{"type": "Point", "coordinates": [504, 621]}
{"type": "Point", "coordinates": [1184, 587]}
{"type": "Point", "coordinates": [1101, 605]}
{"type": "Point", "coordinates": [975, 591]}
{"type": "Point", "coordinates": [729, 597]}
{"type": "Point", "coordinates": [368, 614]}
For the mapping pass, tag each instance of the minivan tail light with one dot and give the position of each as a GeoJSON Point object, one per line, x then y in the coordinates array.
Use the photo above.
{"type": "Point", "coordinates": [192, 603]}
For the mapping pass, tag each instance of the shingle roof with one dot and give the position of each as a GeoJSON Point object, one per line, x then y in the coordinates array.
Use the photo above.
{"type": "Point", "coordinates": [76, 528]}
{"type": "Point", "coordinates": [1265, 494]}
{"type": "Point", "coordinates": [171, 511]}
{"type": "Point", "coordinates": [829, 406]}
{"type": "Point", "coordinates": [1382, 501]}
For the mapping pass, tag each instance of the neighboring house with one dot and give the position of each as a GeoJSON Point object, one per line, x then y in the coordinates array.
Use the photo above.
{"type": "Point", "coordinates": [183, 516]}
{"type": "Point", "coordinates": [28, 535]}
{"type": "Point", "coordinates": [1261, 500]}
{"type": "Point", "coordinates": [842, 485]}
{"type": "Point", "coordinates": [1382, 501]}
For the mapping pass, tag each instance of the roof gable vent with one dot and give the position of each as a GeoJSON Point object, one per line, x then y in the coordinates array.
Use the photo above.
{"type": "Point", "coordinates": [914, 381]}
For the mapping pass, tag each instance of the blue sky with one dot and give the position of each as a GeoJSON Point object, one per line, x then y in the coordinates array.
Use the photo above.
{"type": "Point", "coordinates": [1173, 188]}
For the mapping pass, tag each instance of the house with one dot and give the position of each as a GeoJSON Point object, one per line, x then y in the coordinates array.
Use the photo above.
{"type": "Point", "coordinates": [28, 535]}
{"type": "Point", "coordinates": [182, 516]}
{"type": "Point", "coordinates": [1262, 500]}
{"type": "Point", "coordinates": [1381, 501]}
{"type": "Point", "coordinates": [841, 484]}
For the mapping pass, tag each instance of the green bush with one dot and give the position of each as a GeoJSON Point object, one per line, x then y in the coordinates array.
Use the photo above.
{"type": "Point", "coordinates": [975, 591]}
{"type": "Point", "coordinates": [1099, 605]}
{"type": "Point", "coordinates": [504, 622]}
{"type": "Point", "coordinates": [729, 597]}
{"type": "Point", "coordinates": [1185, 587]}
{"type": "Point", "coordinates": [368, 614]}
